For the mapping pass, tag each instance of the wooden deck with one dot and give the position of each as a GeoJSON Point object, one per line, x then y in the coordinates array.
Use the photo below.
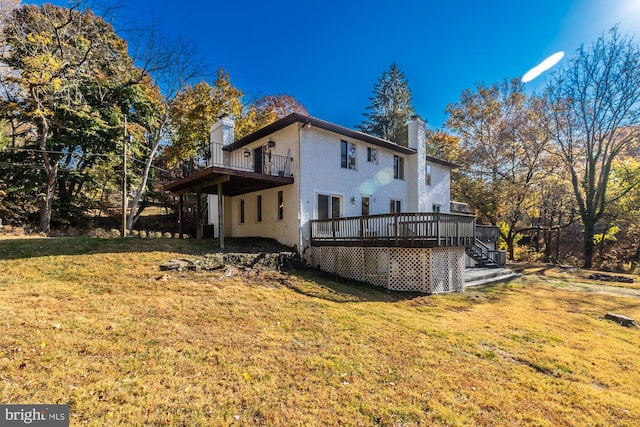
{"type": "Point", "coordinates": [408, 230]}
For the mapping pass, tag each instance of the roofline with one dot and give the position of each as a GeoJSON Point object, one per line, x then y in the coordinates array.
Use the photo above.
{"type": "Point", "coordinates": [442, 162]}
{"type": "Point", "coordinates": [321, 124]}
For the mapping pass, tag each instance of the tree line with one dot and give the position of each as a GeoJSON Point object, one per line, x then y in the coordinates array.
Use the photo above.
{"type": "Point", "coordinates": [532, 164]}
{"type": "Point", "coordinates": [72, 97]}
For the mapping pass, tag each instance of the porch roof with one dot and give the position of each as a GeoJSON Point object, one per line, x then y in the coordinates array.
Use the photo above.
{"type": "Point", "coordinates": [234, 182]}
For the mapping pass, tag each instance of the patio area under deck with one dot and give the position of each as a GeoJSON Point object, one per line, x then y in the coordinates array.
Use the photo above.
{"type": "Point", "coordinates": [222, 181]}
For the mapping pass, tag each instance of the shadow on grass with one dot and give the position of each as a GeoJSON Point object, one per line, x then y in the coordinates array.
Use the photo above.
{"type": "Point", "coordinates": [41, 247]}
{"type": "Point", "coordinates": [318, 284]}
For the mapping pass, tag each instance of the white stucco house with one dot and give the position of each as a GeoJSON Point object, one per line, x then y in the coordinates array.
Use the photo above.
{"type": "Point", "coordinates": [350, 203]}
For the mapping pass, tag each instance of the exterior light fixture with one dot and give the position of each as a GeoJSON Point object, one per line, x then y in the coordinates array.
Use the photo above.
{"type": "Point", "coordinates": [271, 143]}
{"type": "Point", "coordinates": [353, 200]}
{"type": "Point", "coordinates": [247, 153]}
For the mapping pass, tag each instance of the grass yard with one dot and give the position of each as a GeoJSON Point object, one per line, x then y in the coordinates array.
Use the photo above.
{"type": "Point", "coordinates": [93, 323]}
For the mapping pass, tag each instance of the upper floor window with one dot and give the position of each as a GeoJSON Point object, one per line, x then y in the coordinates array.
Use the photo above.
{"type": "Point", "coordinates": [395, 206]}
{"type": "Point", "coordinates": [428, 174]}
{"type": "Point", "coordinates": [398, 167]}
{"type": "Point", "coordinates": [436, 208]}
{"type": "Point", "coordinates": [348, 155]}
{"type": "Point", "coordinates": [372, 155]}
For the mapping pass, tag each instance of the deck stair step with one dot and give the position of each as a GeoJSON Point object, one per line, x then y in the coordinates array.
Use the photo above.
{"type": "Point", "coordinates": [480, 257]}
{"type": "Point", "coordinates": [482, 276]}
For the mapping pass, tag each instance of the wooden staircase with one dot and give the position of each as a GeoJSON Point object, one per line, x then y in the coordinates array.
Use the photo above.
{"type": "Point", "coordinates": [484, 256]}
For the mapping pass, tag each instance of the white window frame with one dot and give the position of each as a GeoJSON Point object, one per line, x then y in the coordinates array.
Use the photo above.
{"type": "Point", "coordinates": [372, 155]}
{"type": "Point", "coordinates": [398, 167]}
{"type": "Point", "coordinates": [331, 196]}
{"type": "Point", "coordinates": [348, 155]}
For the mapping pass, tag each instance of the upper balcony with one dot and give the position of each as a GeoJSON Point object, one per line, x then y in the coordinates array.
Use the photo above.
{"type": "Point", "coordinates": [239, 172]}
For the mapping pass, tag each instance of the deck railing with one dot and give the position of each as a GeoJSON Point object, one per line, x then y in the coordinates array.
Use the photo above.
{"type": "Point", "coordinates": [399, 229]}
{"type": "Point", "coordinates": [487, 233]}
{"type": "Point", "coordinates": [268, 164]}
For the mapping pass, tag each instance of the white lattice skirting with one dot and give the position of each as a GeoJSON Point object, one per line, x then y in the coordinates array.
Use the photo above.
{"type": "Point", "coordinates": [428, 270]}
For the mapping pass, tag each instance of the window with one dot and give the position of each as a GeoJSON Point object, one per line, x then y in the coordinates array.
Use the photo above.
{"type": "Point", "coordinates": [348, 155]}
{"type": "Point", "coordinates": [395, 206]}
{"type": "Point", "coordinates": [435, 208]}
{"type": "Point", "coordinates": [328, 206]}
{"type": "Point", "coordinates": [365, 205]}
{"type": "Point", "coordinates": [280, 205]}
{"type": "Point", "coordinates": [428, 174]}
{"type": "Point", "coordinates": [398, 167]}
{"type": "Point", "coordinates": [241, 211]}
{"type": "Point", "coordinates": [259, 209]}
{"type": "Point", "coordinates": [372, 155]}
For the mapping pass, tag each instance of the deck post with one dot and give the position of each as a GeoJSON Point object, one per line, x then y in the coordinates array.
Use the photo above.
{"type": "Point", "coordinates": [198, 209]}
{"type": "Point", "coordinates": [220, 217]}
{"type": "Point", "coordinates": [395, 227]}
{"type": "Point", "coordinates": [180, 207]}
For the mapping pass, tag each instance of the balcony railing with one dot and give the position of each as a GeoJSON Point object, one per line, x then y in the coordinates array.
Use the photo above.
{"type": "Point", "coordinates": [399, 229]}
{"type": "Point", "coordinates": [266, 163]}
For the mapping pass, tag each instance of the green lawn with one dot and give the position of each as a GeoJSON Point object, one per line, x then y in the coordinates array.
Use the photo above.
{"type": "Point", "coordinates": [93, 323]}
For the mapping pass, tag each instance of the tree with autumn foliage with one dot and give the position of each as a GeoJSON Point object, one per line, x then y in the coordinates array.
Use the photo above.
{"type": "Point", "coordinates": [269, 108]}
{"type": "Point", "coordinates": [501, 135]}
{"type": "Point", "coordinates": [594, 110]}
{"type": "Point", "coordinates": [196, 108]}
{"type": "Point", "coordinates": [76, 83]}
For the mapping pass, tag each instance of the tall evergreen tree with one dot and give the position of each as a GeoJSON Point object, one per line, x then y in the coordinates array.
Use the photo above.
{"type": "Point", "coordinates": [390, 107]}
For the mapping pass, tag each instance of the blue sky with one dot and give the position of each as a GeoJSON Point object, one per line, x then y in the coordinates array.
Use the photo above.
{"type": "Point", "coordinates": [329, 53]}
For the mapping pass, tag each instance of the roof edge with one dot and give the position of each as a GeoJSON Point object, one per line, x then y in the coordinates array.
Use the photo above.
{"type": "Point", "coordinates": [321, 124]}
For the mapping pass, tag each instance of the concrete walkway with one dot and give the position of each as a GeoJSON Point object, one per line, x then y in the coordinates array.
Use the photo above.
{"type": "Point", "coordinates": [483, 276]}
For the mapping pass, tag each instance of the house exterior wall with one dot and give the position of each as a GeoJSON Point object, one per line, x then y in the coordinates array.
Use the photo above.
{"type": "Point", "coordinates": [286, 230]}
{"type": "Point", "coordinates": [439, 192]}
{"type": "Point", "coordinates": [322, 173]}
{"type": "Point", "coordinates": [316, 168]}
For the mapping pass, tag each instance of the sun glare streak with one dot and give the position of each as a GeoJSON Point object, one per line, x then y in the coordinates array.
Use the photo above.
{"type": "Point", "coordinates": [542, 67]}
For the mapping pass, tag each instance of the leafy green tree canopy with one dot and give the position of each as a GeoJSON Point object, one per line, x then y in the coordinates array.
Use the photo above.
{"type": "Point", "coordinates": [75, 81]}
